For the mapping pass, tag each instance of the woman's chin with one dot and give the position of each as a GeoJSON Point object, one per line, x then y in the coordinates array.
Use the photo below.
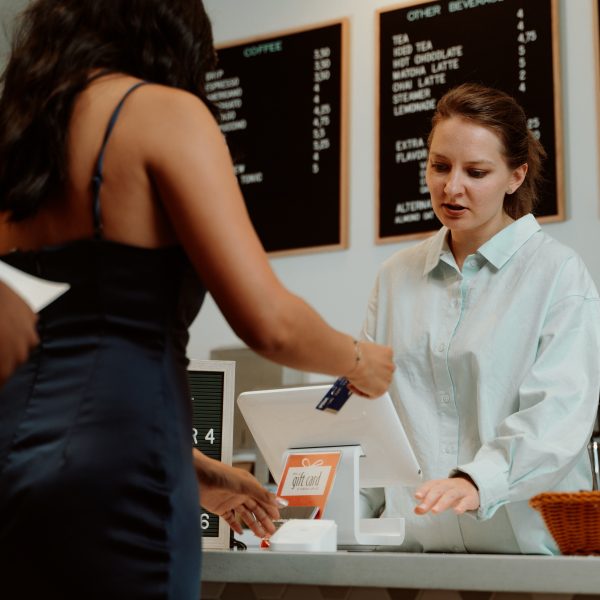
{"type": "Point", "coordinates": [453, 219]}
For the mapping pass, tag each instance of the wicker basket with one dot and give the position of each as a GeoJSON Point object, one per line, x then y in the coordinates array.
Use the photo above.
{"type": "Point", "coordinates": [573, 519]}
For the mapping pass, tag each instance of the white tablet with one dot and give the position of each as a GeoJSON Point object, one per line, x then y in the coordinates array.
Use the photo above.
{"type": "Point", "coordinates": [287, 418]}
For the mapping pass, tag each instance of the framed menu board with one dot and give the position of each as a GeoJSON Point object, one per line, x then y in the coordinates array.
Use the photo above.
{"type": "Point", "coordinates": [426, 48]}
{"type": "Point", "coordinates": [282, 101]}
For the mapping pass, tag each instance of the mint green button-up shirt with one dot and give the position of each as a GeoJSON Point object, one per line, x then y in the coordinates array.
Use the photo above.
{"type": "Point", "coordinates": [498, 375]}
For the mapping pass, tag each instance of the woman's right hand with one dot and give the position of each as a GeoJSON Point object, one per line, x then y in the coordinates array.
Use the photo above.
{"type": "Point", "coordinates": [372, 373]}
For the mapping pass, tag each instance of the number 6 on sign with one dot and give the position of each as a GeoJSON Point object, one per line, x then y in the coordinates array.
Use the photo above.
{"type": "Point", "coordinates": [204, 521]}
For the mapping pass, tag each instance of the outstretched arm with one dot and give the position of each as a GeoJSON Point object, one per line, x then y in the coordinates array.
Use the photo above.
{"type": "Point", "coordinates": [192, 170]}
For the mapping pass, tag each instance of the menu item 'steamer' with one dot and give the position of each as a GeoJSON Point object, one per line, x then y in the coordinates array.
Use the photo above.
{"type": "Point", "coordinates": [115, 178]}
{"type": "Point", "coordinates": [495, 328]}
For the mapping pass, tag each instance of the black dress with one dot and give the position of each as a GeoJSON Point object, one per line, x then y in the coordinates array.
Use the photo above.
{"type": "Point", "coordinates": [98, 497]}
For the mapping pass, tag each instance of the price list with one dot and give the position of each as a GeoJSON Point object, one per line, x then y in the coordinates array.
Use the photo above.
{"type": "Point", "coordinates": [429, 47]}
{"type": "Point", "coordinates": [281, 104]}
{"type": "Point", "coordinates": [322, 110]}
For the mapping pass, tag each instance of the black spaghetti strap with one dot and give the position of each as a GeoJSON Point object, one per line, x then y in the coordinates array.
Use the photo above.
{"type": "Point", "coordinates": [98, 171]}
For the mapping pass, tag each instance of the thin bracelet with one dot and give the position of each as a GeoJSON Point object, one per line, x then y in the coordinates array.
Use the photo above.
{"type": "Point", "coordinates": [357, 355]}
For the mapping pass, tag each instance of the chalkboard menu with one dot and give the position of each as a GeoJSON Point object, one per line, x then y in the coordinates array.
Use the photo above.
{"type": "Point", "coordinates": [428, 47]}
{"type": "Point", "coordinates": [282, 105]}
{"type": "Point", "coordinates": [212, 384]}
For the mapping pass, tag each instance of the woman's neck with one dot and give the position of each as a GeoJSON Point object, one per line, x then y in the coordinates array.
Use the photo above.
{"type": "Point", "coordinates": [465, 243]}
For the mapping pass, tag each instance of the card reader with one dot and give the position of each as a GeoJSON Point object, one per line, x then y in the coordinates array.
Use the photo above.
{"type": "Point", "coordinates": [305, 535]}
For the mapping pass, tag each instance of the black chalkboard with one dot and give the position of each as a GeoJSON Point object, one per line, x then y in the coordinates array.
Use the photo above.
{"type": "Point", "coordinates": [427, 48]}
{"type": "Point", "coordinates": [211, 387]}
{"type": "Point", "coordinates": [282, 100]}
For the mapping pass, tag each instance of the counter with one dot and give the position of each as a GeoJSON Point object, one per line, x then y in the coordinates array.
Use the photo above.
{"type": "Point", "coordinates": [264, 575]}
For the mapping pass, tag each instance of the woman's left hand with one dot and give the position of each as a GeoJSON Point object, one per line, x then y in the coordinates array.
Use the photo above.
{"type": "Point", "coordinates": [231, 492]}
{"type": "Point", "coordinates": [458, 493]}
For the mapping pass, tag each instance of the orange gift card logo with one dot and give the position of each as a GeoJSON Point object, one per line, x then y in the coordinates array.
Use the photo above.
{"type": "Point", "coordinates": [308, 478]}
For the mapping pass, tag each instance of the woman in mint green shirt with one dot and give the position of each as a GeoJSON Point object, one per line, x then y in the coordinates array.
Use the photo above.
{"type": "Point", "coordinates": [495, 328]}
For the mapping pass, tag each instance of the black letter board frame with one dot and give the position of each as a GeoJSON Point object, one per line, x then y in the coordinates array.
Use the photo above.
{"type": "Point", "coordinates": [283, 100]}
{"type": "Point", "coordinates": [212, 388]}
{"type": "Point", "coordinates": [526, 55]}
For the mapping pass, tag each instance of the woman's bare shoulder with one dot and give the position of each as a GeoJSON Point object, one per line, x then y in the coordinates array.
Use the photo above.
{"type": "Point", "coordinates": [152, 107]}
{"type": "Point", "coordinates": [170, 106]}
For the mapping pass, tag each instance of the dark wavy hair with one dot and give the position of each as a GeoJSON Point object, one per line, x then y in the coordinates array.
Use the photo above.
{"type": "Point", "coordinates": [501, 113]}
{"type": "Point", "coordinates": [56, 46]}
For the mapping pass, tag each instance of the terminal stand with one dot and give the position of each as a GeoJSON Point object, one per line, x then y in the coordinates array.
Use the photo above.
{"type": "Point", "coordinates": [343, 505]}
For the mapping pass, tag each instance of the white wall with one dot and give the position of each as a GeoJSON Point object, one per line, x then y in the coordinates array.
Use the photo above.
{"type": "Point", "coordinates": [8, 10]}
{"type": "Point", "coordinates": [351, 272]}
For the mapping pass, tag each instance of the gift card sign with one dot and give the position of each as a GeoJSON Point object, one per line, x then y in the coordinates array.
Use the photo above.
{"type": "Point", "coordinates": [308, 478]}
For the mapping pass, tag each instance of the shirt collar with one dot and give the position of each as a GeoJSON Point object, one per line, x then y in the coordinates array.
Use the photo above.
{"type": "Point", "coordinates": [497, 250]}
{"type": "Point", "coordinates": [438, 246]}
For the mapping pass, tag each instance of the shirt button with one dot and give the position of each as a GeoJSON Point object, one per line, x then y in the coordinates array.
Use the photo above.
{"type": "Point", "coordinates": [456, 303]}
{"type": "Point", "coordinates": [445, 399]}
{"type": "Point", "coordinates": [473, 263]}
{"type": "Point", "coordinates": [441, 347]}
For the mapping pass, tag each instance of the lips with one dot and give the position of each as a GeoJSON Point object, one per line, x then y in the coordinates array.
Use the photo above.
{"type": "Point", "coordinates": [456, 208]}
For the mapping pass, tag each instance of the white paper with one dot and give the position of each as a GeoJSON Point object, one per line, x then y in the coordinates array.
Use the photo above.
{"type": "Point", "coordinates": [38, 293]}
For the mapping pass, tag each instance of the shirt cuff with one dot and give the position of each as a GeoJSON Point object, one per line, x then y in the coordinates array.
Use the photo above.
{"type": "Point", "coordinates": [491, 483]}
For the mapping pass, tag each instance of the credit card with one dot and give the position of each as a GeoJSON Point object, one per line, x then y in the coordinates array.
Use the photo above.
{"type": "Point", "coordinates": [336, 396]}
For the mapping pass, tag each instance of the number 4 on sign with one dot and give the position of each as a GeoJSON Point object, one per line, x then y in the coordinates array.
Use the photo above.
{"type": "Point", "coordinates": [210, 436]}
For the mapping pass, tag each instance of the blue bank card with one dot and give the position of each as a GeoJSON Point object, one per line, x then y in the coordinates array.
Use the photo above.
{"type": "Point", "coordinates": [336, 396]}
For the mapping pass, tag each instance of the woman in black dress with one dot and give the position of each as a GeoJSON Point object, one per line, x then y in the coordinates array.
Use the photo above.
{"type": "Point", "coordinates": [115, 178]}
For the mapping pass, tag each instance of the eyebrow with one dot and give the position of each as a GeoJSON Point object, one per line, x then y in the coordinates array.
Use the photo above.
{"type": "Point", "coordinates": [470, 162]}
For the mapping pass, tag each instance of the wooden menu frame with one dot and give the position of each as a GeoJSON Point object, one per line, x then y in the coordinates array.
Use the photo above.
{"type": "Point", "coordinates": [557, 214]}
{"type": "Point", "coordinates": [337, 236]}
